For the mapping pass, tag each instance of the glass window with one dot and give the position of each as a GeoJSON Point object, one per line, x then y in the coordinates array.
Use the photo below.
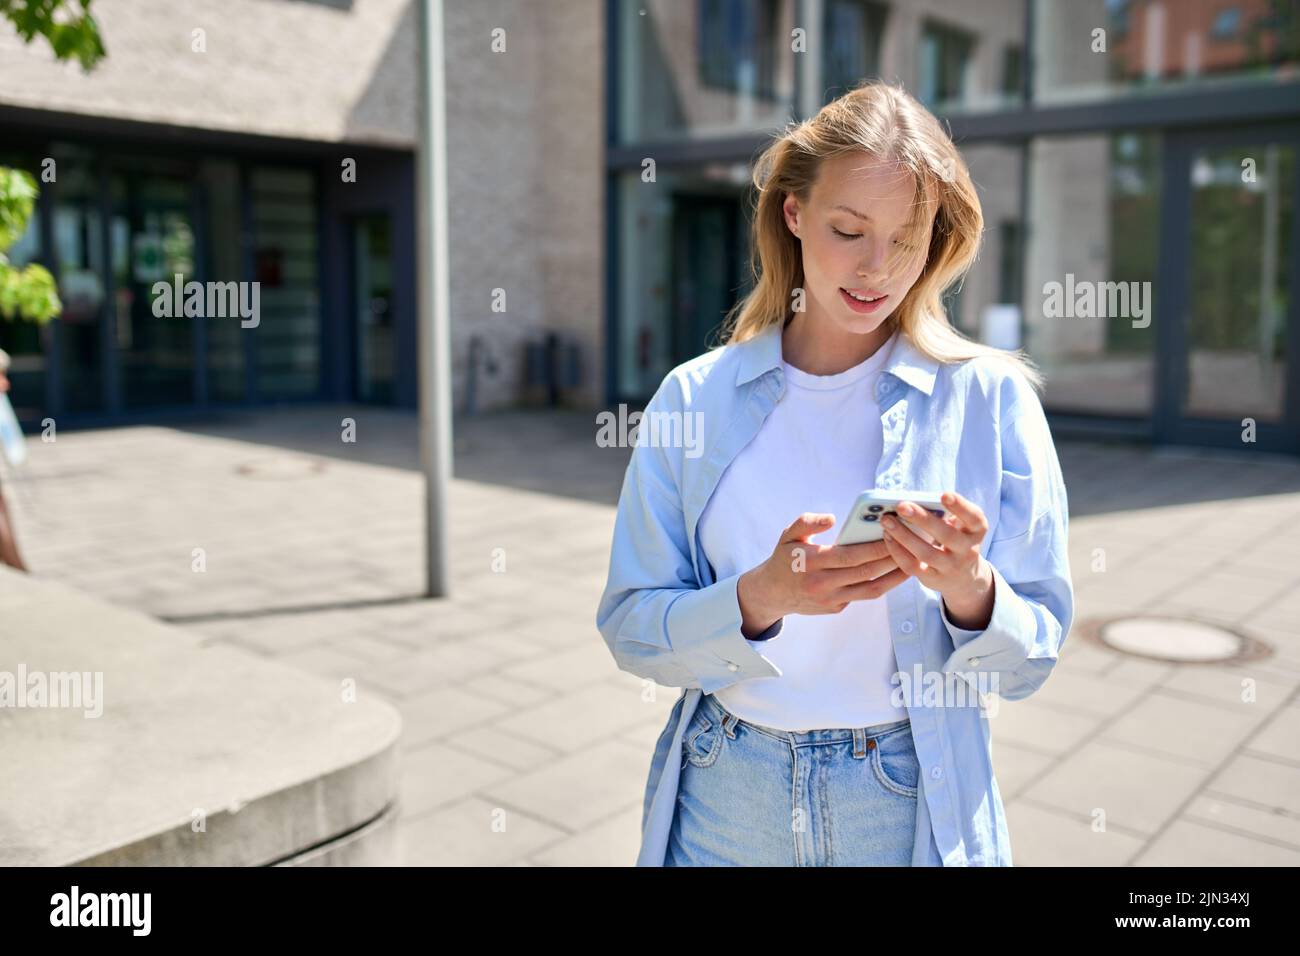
{"type": "Point", "coordinates": [1095, 49]}
{"type": "Point", "coordinates": [738, 45]}
{"type": "Point", "coordinates": [958, 57]}
{"type": "Point", "coordinates": [285, 266]}
{"type": "Point", "coordinates": [984, 306]}
{"type": "Point", "coordinates": [226, 335]}
{"type": "Point", "coordinates": [372, 308]}
{"type": "Point", "coordinates": [709, 68]}
{"type": "Point", "coordinates": [1090, 270]}
{"type": "Point", "coordinates": [1238, 295]}
{"type": "Point", "coordinates": [683, 251]}
{"type": "Point", "coordinates": [79, 251]}
{"type": "Point", "coordinates": [152, 241]}
{"type": "Point", "coordinates": [1013, 72]}
{"type": "Point", "coordinates": [1010, 257]}
{"type": "Point", "coordinates": [852, 32]}
{"type": "Point", "coordinates": [945, 59]}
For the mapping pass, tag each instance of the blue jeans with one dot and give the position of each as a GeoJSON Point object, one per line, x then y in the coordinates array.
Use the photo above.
{"type": "Point", "coordinates": [751, 795]}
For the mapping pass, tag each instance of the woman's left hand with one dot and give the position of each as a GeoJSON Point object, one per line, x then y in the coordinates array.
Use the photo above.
{"type": "Point", "coordinates": [953, 565]}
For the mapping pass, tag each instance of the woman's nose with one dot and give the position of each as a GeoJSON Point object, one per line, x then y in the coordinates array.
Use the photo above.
{"type": "Point", "coordinates": [871, 264]}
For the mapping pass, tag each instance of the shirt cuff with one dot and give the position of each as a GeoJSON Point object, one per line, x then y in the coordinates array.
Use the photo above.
{"type": "Point", "coordinates": [1007, 640]}
{"type": "Point", "coordinates": [704, 627]}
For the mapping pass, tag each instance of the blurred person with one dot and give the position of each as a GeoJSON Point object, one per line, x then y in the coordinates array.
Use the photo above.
{"type": "Point", "coordinates": [8, 543]}
{"type": "Point", "coordinates": [802, 735]}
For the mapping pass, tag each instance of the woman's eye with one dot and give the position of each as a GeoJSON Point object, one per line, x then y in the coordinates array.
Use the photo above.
{"type": "Point", "coordinates": [844, 235]}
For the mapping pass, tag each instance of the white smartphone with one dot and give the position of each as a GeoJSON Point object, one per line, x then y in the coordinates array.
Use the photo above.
{"type": "Point", "coordinates": [863, 521]}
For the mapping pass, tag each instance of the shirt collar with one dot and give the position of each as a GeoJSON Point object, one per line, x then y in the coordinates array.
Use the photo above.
{"type": "Point", "coordinates": [762, 353]}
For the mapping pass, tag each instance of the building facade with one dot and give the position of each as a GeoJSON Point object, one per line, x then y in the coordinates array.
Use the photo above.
{"type": "Point", "coordinates": [273, 141]}
{"type": "Point", "coordinates": [1136, 160]}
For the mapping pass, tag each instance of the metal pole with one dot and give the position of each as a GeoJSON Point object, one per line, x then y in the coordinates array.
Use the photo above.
{"type": "Point", "coordinates": [434, 302]}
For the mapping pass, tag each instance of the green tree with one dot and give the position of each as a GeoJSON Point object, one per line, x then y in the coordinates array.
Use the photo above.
{"type": "Point", "coordinates": [66, 24]}
{"type": "Point", "coordinates": [72, 33]}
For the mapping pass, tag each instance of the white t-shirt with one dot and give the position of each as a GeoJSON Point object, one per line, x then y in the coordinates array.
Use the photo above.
{"type": "Point", "coordinates": [818, 448]}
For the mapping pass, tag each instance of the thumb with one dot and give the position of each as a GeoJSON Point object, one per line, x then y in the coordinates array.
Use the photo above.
{"type": "Point", "coordinates": [806, 525]}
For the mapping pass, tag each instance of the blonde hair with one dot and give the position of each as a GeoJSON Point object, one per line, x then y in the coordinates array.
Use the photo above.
{"type": "Point", "coordinates": [887, 123]}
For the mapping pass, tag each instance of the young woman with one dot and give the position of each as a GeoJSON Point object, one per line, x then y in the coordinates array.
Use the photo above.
{"type": "Point", "coordinates": [831, 712]}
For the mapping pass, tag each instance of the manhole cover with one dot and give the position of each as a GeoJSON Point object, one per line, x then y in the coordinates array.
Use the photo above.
{"type": "Point", "coordinates": [1176, 639]}
{"type": "Point", "coordinates": [280, 468]}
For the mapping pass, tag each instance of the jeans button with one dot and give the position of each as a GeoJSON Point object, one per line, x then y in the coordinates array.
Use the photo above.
{"type": "Point", "coordinates": [906, 627]}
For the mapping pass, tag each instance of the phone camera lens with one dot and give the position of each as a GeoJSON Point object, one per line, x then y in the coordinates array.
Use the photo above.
{"type": "Point", "coordinates": [870, 518]}
{"type": "Point", "coordinates": [875, 508]}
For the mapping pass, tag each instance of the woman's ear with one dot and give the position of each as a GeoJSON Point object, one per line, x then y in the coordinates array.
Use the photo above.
{"type": "Point", "coordinates": [790, 209]}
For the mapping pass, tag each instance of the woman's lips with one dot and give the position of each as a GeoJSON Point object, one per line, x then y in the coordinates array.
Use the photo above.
{"type": "Point", "coordinates": [857, 305]}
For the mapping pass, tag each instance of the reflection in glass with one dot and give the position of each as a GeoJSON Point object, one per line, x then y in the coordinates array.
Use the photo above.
{"type": "Point", "coordinates": [79, 248]}
{"type": "Point", "coordinates": [853, 31]}
{"type": "Point", "coordinates": [1090, 270]}
{"type": "Point", "coordinates": [986, 304]}
{"type": "Point", "coordinates": [1242, 204]}
{"type": "Point", "coordinates": [683, 262]}
{"type": "Point", "coordinates": [1090, 49]}
{"type": "Point", "coordinates": [704, 68]}
{"type": "Point", "coordinates": [945, 61]}
{"type": "Point", "coordinates": [153, 241]}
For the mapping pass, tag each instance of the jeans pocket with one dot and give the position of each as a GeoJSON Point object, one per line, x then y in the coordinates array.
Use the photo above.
{"type": "Point", "coordinates": [702, 741]}
{"type": "Point", "coordinates": [894, 759]}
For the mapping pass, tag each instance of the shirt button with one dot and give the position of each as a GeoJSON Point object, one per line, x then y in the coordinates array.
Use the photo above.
{"type": "Point", "coordinates": [936, 772]}
{"type": "Point", "coordinates": [732, 666]}
{"type": "Point", "coordinates": [907, 627]}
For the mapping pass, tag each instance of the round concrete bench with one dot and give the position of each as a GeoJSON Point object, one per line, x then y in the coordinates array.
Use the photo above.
{"type": "Point", "coordinates": [130, 742]}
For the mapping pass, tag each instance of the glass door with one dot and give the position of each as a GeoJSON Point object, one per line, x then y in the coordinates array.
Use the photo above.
{"type": "Point", "coordinates": [372, 308]}
{"type": "Point", "coordinates": [80, 244]}
{"type": "Point", "coordinates": [153, 241]}
{"type": "Point", "coordinates": [1230, 329]}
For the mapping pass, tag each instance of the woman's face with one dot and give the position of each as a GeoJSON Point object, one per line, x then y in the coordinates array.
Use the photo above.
{"type": "Point", "coordinates": [852, 230]}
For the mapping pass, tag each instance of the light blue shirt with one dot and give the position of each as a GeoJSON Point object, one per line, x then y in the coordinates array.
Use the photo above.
{"type": "Point", "coordinates": [974, 427]}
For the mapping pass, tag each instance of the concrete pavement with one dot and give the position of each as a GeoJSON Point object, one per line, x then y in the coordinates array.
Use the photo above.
{"type": "Point", "coordinates": [524, 745]}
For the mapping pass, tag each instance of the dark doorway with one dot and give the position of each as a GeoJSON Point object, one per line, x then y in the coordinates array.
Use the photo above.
{"type": "Point", "coordinates": [705, 270]}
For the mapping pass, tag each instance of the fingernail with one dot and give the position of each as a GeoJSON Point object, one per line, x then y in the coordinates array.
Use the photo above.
{"type": "Point", "coordinates": [887, 521]}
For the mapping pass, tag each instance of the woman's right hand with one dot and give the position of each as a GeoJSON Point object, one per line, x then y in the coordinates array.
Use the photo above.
{"type": "Point", "coordinates": [804, 578]}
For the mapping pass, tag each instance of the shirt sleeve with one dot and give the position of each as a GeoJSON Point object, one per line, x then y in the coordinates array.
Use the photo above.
{"type": "Point", "coordinates": [655, 618]}
{"type": "Point", "coordinates": [1033, 596]}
